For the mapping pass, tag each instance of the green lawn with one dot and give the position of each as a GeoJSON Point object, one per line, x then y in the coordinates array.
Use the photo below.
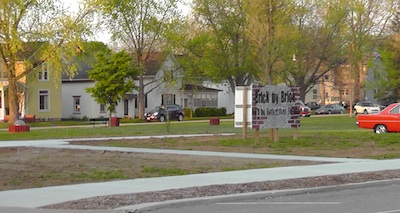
{"type": "Point", "coordinates": [315, 126]}
{"type": "Point", "coordinates": [317, 135]}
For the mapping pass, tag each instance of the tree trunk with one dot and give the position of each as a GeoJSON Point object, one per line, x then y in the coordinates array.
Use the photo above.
{"type": "Point", "coordinates": [303, 93]}
{"type": "Point", "coordinates": [322, 91]}
{"type": "Point", "coordinates": [141, 102]}
{"type": "Point", "coordinates": [362, 79]}
{"type": "Point", "coordinates": [12, 97]}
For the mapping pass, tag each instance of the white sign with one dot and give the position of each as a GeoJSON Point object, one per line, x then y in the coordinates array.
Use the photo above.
{"type": "Point", "coordinates": [268, 107]}
{"type": "Point", "coordinates": [239, 94]}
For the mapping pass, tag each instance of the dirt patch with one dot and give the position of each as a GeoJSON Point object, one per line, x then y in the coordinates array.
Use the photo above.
{"type": "Point", "coordinates": [38, 167]}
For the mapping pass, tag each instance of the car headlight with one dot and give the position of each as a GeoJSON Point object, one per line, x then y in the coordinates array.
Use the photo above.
{"type": "Point", "coordinates": [155, 114]}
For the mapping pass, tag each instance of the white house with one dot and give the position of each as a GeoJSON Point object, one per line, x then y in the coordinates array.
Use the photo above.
{"type": "Point", "coordinates": [162, 90]}
{"type": "Point", "coordinates": [78, 104]}
{"type": "Point", "coordinates": [163, 87]}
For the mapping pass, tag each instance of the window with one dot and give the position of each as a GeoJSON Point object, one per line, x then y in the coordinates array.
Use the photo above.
{"type": "Point", "coordinates": [167, 99]}
{"type": "Point", "coordinates": [145, 102]}
{"type": "Point", "coordinates": [395, 110]}
{"type": "Point", "coordinates": [44, 100]}
{"type": "Point", "coordinates": [102, 108]}
{"type": "Point", "coordinates": [43, 74]}
{"type": "Point", "coordinates": [209, 100]}
{"type": "Point", "coordinates": [315, 94]}
{"type": "Point", "coordinates": [77, 104]}
{"type": "Point", "coordinates": [326, 77]}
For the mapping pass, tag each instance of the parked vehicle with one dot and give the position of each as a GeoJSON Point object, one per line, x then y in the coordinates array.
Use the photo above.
{"type": "Point", "coordinates": [366, 107]}
{"type": "Point", "coordinates": [388, 120]}
{"type": "Point", "coordinates": [313, 105]}
{"type": "Point", "coordinates": [330, 109]}
{"type": "Point", "coordinates": [161, 113]}
{"type": "Point", "coordinates": [305, 111]}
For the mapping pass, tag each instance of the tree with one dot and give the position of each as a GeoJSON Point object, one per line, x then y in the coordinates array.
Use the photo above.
{"type": "Point", "coordinates": [221, 50]}
{"type": "Point", "coordinates": [267, 30]}
{"type": "Point", "coordinates": [112, 76]}
{"type": "Point", "coordinates": [367, 26]}
{"type": "Point", "coordinates": [314, 46]}
{"type": "Point", "coordinates": [43, 25]}
{"type": "Point", "coordinates": [389, 69]}
{"type": "Point", "coordinates": [141, 26]}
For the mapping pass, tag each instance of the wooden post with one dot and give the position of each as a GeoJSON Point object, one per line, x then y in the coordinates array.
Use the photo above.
{"type": "Point", "coordinates": [256, 136]}
{"type": "Point", "coordinates": [276, 134]}
{"type": "Point", "coordinates": [295, 135]}
{"type": "Point", "coordinates": [271, 134]}
{"type": "Point", "coordinates": [244, 130]}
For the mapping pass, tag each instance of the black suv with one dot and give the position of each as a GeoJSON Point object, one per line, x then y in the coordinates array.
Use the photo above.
{"type": "Point", "coordinates": [160, 113]}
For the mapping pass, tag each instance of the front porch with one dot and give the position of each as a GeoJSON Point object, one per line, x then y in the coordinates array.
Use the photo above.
{"type": "Point", "coordinates": [4, 108]}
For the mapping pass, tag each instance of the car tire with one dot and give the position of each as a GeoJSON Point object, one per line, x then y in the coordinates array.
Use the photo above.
{"type": "Point", "coordinates": [380, 128]}
{"type": "Point", "coordinates": [162, 118]}
{"type": "Point", "coordinates": [180, 117]}
{"type": "Point", "coordinates": [329, 112]}
{"type": "Point", "coordinates": [341, 111]}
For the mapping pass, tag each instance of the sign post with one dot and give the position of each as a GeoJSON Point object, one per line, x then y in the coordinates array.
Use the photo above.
{"type": "Point", "coordinates": [244, 130]}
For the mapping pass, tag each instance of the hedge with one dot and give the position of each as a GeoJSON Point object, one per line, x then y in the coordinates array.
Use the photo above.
{"type": "Point", "coordinates": [209, 112]}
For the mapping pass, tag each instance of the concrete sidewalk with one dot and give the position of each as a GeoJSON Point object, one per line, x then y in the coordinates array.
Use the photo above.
{"type": "Point", "coordinates": [13, 201]}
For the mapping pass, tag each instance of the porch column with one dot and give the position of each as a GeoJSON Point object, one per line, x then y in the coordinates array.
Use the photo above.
{"type": "Point", "coordinates": [2, 111]}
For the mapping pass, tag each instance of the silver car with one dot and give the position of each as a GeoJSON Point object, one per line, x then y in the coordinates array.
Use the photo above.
{"type": "Point", "coordinates": [330, 109]}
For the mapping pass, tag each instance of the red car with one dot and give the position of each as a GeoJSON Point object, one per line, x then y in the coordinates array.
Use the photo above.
{"type": "Point", "coordinates": [305, 111]}
{"type": "Point", "coordinates": [388, 120]}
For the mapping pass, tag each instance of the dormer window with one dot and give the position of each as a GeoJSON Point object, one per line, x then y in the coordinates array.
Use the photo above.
{"type": "Point", "coordinates": [43, 73]}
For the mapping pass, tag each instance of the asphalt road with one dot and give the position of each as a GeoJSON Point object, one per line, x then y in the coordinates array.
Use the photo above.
{"type": "Point", "coordinates": [366, 199]}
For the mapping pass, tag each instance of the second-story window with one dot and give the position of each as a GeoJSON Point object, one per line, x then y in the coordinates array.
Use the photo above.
{"type": "Point", "coordinates": [326, 78]}
{"type": "Point", "coordinates": [43, 73]}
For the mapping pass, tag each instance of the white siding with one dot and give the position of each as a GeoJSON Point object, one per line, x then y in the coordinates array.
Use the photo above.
{"type": "Point", "coordinates": [89, 107]}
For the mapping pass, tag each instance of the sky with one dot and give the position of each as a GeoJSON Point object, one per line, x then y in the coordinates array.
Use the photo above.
{"type": "Point", "coordinates": [104, 36]}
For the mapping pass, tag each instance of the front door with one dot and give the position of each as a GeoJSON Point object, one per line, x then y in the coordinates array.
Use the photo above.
{"type": "Point", "coordinates": [126, 107]}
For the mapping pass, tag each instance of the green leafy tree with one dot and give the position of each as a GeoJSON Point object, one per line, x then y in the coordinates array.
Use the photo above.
{"type": "Point", "coordinates": [367, 26]}
{"type": "Point", "coordinates": [389, 69]}
{"type": "Point", "coordinates": [112, 75]}
{"type": "Point", "coordinates": [313, 45]}
{"type": "Point", "coordinates": [220, 49]}
{"type": "Point", "coordinates": [268, 30]}
{"type": "Point", "coordinates": [37, 31]}
{"type": "Point", "coordinates": [141, 28]}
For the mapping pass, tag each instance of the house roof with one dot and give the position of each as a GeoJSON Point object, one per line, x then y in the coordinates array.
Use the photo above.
{"type": "Point", "coordinates": [81, 74]}
{"type": "Point", "coordinates": [190, 87]}
{"type": "Point", "coordinates": [153, 65]}
{"type": "Point", "coordinates": [30, 51]}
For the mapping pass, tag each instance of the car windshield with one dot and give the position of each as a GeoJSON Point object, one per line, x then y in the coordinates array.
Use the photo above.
{"type": "Point", "coordinates": [368, 104]}
{"type": "Point", "coordinates": [154, 110]}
